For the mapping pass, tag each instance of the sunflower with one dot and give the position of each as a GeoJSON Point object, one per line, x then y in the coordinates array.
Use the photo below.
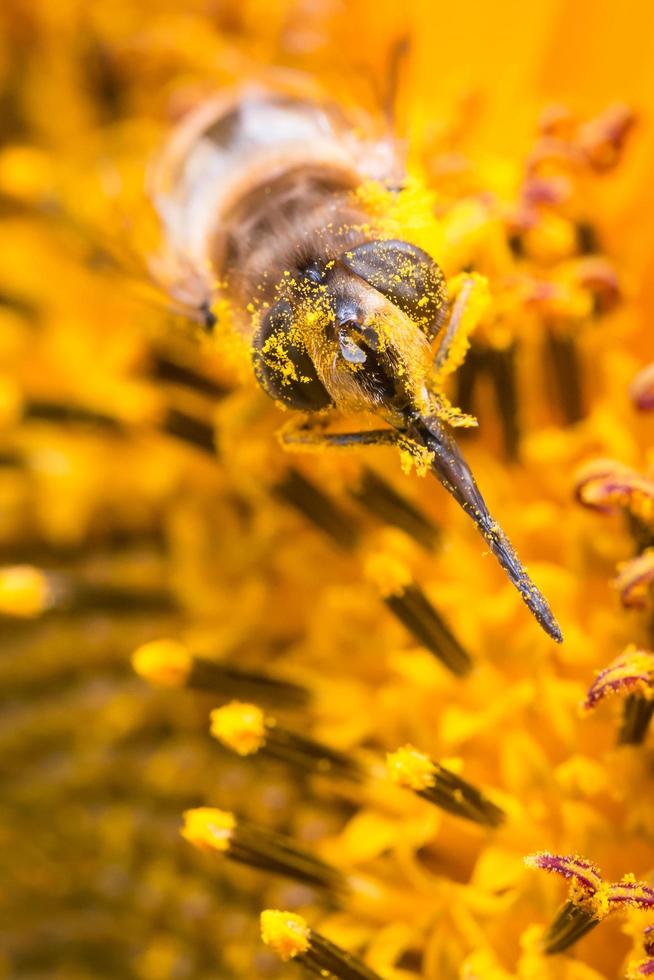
{"type": "Point", "coordinates": [258, 694]}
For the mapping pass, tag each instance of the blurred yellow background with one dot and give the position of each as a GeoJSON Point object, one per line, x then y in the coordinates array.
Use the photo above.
{"type": "Point", "coordinates": [98, 766]}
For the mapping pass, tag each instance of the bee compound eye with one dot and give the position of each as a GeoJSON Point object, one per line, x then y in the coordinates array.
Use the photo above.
{"type": "Point", "coordinates": [282, 363]}
{"type": "Point", "coordinates": [406, 275]}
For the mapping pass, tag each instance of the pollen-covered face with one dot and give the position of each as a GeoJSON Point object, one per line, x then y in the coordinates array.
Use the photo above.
{"type": "Point", "coordinates": [355, 334]}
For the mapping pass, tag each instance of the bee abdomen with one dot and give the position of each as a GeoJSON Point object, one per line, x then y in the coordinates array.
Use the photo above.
{"type": "Point", "coordinates": [304, 216]}
{"type": "Point", "coordinates": [250, 169]}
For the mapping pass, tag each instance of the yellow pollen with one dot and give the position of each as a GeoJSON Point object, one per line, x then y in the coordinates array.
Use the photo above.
{"type": "Point", "coordinates": [288, 934]}
{"type": "Point", "coordinates": [25, 173]}
{"type": "Point", "coordinates": [11, 403]}
{"type": "Point", "coordinates": [551, 239]}
{"type": "Point", "coordinates": [637, 661]}
{"type": "Point", "coordinates": [410, 768]}
{"type": "Point", "coordinates": [597, 904]}
{"type": "Point", "coordinates": [388, 573]}
{"type": "Point", "coordinates": [24, 591]}
{"type": "Point", "coordinates": [632, 670]}
{"type": "Point", "coordinates": [414, 456]}
{"type": "Point", "coordinates": [166, 663]}
{"type": "Point", "coordinates": [209, 829]}
{"type": "Point", "coordinates": [239, 726]}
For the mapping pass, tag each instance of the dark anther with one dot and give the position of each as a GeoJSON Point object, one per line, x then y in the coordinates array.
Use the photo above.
{"type": "Point", "coordinates": [636, 717]}
{"type": "Point", "coordinates": [587, 239]}
{"type": "Point", "coordinates": [570, 925]}
{"type": "Point", "coordinates": [11, 459]}
{"type": "Point", "coordinates": [259, 847]}
{"type": "Point", "coordinates": [318, 508]}
{"type": "Point", "coordinates": [516, 245]}
{"type": "Point", "coordinates": [382, 500]}
{"type": "Point", "coordinates": [424, 622]}
{"type": "Point", "coordinates": [227, 681]}
{"type": "Point", "coordinates": [67, 413]}
{"type": "Point", "coordinates": [566, 369]}
{"type": "Point", "coordinates": [502, 363]}
{"type": "Point", "coordinates": [459, 797]}
{"type": "Point", "coordinates": [19, 304]}
{"type": "Point", "coordinates": [166, 369]}
{"type": "Point", "coordinates": [190, 430]}
{"type": "Point", "coordinates": [309, 755]}
{"type": "Point", "coordinates": [120, 600]}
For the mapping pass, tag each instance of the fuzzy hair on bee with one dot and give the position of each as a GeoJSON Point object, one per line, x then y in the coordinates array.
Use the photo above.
{"type": "Point", "coordinates": [257, 195]}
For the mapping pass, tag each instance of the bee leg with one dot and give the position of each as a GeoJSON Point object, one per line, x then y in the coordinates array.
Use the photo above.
{"type": "Point", "coordinates": [309, 434]}
{"type": "Point", "coordinates": [467, 310]}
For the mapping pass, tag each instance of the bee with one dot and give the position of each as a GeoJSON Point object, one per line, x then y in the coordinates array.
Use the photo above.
{"type": "Point", "coordinates": [257, 195]}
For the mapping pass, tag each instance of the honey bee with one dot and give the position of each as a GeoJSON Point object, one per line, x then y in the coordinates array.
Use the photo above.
{"type": "Point", "coordinates": [257, 195]}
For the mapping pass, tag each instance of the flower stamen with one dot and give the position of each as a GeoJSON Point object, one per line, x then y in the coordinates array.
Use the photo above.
{"type": "Point", "coordinates": [591, 898]}
{"type": "Point", "coordinates": [382, 500]}
{"type": "Point", "coordinates": [628, 893]}
{"type": "Point", "coordinates": [584, 908]}
{"type": "Point", "coordinates": [635, 579]}
{"type": "Point", "coordinates": [641, 389]}
{"type": "Point", "coordinates": [292, 939]}
{"type": "Point", "coordinates": [219, 831]}
{"type": "Point", "coordinates": [415, 770]}
{"type": "Point", "coordinates": [630, 674]}
{"type": "Point", "coordinates": [245, 729]}
{"type": "Point", "coordinates": [25, 592]}
{"type": "Point", "coordinates": [29, 592]}
{"type": "Point", "coordinates": [644, 968]}
{"type": "Point", "coordinates": [168, 663]}
{"type": "Point", "coordinates": [607, 486]}
{"type": "Point", "coordinates": [409, 604]}
{"type": "Point", "coordinates": [317, 508]}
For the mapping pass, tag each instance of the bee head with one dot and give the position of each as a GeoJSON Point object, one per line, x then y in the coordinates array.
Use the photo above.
{"type": "Point", "coordinates": [354, 332]}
